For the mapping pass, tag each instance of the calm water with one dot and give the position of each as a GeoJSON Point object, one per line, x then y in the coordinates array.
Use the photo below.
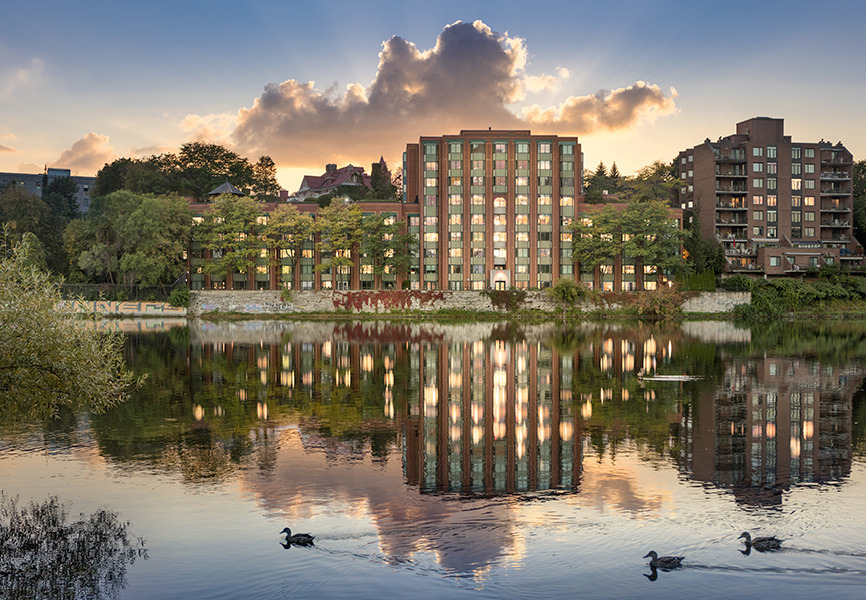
{"type": "Point", "coordinates": [486, 460]}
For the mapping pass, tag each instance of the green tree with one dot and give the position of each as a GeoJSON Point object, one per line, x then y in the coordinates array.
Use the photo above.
{"type": "Point", "coordinates": [49, 359]}
{"type": "Point", "coordinates": [265, 186]}
{"type": "Point", "coordinates": [381, 186]}
{"type": "Point", "coordinates": [338, 227]}
{"type": "Point", "coordinates": [657, 182]}
{"type": "Point", "coordinates": [288, 230]}
{"type": "Point", "coordinates": [112, 177]}
{"type": "Point", "coordinates": [230, 230]}
{"type": "Point", "coordinates": [22, 211]}
{"type": "Point", "coordinates": [651, 237]}
{"type": "Point", "coordinates": [595, 239]}
{"type": "Point", "coordinates": [401, 250]}
{"type": "Point", "coordinates": [131, 239]}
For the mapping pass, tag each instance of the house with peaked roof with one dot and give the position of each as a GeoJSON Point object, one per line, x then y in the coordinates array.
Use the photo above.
{"type": "Point", "coordinates": [331, 180]}
{"type": "Point", "coordinates": [225, 188]}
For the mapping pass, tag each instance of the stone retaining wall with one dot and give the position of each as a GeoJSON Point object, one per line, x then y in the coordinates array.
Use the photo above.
{"type": "Point", "coordinates": [259, 302]}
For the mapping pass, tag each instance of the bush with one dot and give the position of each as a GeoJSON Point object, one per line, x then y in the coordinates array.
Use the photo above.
{"type": "Point", "coordinates": [285, 295]}
{"type": "Point", "coordinates": [663, 303]}
{"type": "Point", "coordinates": [737, 283]}
{"type": "Point", "coordinates": [699, 282]}
{"type": "Point", "coordinates": [566, 292]}
{"type": "Point", "coordinates": [179, 296]}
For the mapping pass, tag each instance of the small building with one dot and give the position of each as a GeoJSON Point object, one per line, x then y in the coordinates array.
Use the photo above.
{"type": "Point", "coordinates": [313, 186]}
{"type": "Point", "coordinates": [35, 182]}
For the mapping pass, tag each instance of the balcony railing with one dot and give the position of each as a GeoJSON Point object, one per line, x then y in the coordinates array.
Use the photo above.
{"type": "Point", "coordinates": [731, 206]}
{"type": "Point", "coordinates": [731, 189]}
{"type": "Point", "coordinates": [835, 223]}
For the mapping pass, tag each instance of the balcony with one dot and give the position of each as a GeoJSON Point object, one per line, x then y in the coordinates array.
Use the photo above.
{"type": "Point", "coordinates": [834, 191]}
{"type": "Point", "coordinates": [731, 222]}
{"type": "Point", "coordinates": [731, 171]}
{"type": "Point", "coordinates": [835, 223]}
{"type": "Point", "coordinates": [835, 176]}
{"type": "Point", "coordinates": [731, 189]}
{"type": "Point", "coordinates": [835, 207]}
{"type": "Point", "coordinates": [731, 206]}
{"type": "Point", "coordinates": [731, 157]}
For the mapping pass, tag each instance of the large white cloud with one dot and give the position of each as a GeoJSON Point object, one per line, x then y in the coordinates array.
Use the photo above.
{"type": "Point", "coordinates": [469, 79]}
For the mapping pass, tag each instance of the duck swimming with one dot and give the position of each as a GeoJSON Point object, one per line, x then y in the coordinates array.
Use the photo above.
{"type": "Point", "coordinates": [761, 544]}
{"type": "Point", "coordinates": [299, 539]}
{"type": "Point", "coordinates": [664, 563]}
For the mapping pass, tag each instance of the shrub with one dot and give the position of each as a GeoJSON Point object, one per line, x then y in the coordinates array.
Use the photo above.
{"type": "Point", "coordinates": [507, 300]}
{"type": "Point", "coordinates": [699, 282]}
{"type": "Point", "coordinates": [179, 296]}
{"type": "Point", "coordinates": [285, 295]}
{"type": "Point", "coordinates": [737, 283]}
{"type": "Point", "coordinates": [663, 303]}
{"type": "Point", "coordinates": [566, 292]}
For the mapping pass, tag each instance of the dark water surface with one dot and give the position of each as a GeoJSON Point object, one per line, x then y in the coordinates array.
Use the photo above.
{"type": "Point", "coordinates": [487, 460]}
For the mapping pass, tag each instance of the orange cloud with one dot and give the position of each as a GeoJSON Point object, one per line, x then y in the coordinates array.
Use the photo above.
{"type": "Point", "coordinates": [467, 80]}
{"type": "Point", "coordinates": [87, 155]}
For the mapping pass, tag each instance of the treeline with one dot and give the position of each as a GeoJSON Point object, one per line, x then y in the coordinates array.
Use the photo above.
{"type": "Point", "coordinates": [193, 172]}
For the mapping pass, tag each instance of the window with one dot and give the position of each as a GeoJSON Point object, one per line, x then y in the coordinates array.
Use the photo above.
{"type": "Point", "coordinates": [543, 165]}
{"type": "Point", "coordinates": [431, 165]}
{"type": "Point", "coordinates": [796, 201]}
{"type": "Point", "coordinates": [809, 168]}
{"type": "Point", "coordinates": [458, 181]}
{"type": "Point", "coordinates": [455, 219]}
{"type": "Point", "coordinates": [757, 167]}
{"type": "Point", "coordinates": [565, 236]}
{"type": "Point", "coordinates": [478, 269]}
{"type": "Point", "coordinates": [521, 200]}
{"type": "Point", "coordinates": [771, 200]}
{"type": "Point", "coordinates": [795, 153]}
{"type": "Point", "coordinates": [566, 201]}
{"type": "Point", "coordinates": [477, 199]}
{"type": "Point", "coordinates": [758, 182]}
{"type": "Point", "coordinates": [430, 200]}
{"type": "Point", "coordinates": [809, 201]}
{"type": "Point", "coordinates": [757, 151]}
{"type": "Point", "coordinates": [455, 199]}
{"type": "Point", "coordinates": [772, 216]}
{"type": "Point", "coordinates": [499, 202]}
{"type": "Point", "coordinates": [477, 219]}
{"type": "Point", "coordinates": [757, 215]}
{"type": "Point", "coordinates": [566, 149]}
{"type": "Point", "coordinates": [543, 180]}
{"type": "Point", "coordinates": [543, 236]}
{"type": "Point", "coordinates": [796, 169]}
{"type": "Point", "coordinates": [478, 253]}
{"type": "Point", "coordinates": [544, 147]}
{"type": "Point", "coordinates": [455, 164]}
{"type": "Point", "coordinates": [500, 165]}
{"type": "Point", "coordinates": [809, 231]}
{"type": "Point", "coordinates": [455, 252]}
{"type": "Point", "coordinates": [521, 219]}
{"type": "Point", "coordinates": [775, 261]}
{"type": "Point", "coordinates": [757, 200]}
{"type": "Point", "coordinates": [544, 268]}
{"type": "Point", "coordinates": [796, 217]}
{"type": "Point", "coordinates": [771, 151]}
{"type": "Point", "coordinates": [522, 165]}
{"type": "Point", "coordinates": [544, 200]}
{"type": "Point", "coordinates": [772, 168]}
{"type": "Point", "coordinates": [810, 216]}
{"type": "Point", "coordinates": [455, 147]}
{"type": "Point", "coordinates": [414, 221]}
{"type": "Point", "coordinates": [809, 184]}
{"type": "Point", "coordinates": [757, 231]}
{"type": "Point", "coordinates": [499, 253]}
{"type": "Point", "coordinates": [796, 184]}
{"type": "Point", "coordinates": [522, 269]}
{"type": "Point", "coordinates": [477, 165]}
{"type": "Point", "coordinates": [544, 219]}
{"type": "Point", "coordinates": [476, 147]}
{"type": "Point", "coordinates": [431, 149]}
{"type": "Point", "coordinates": [455, 269]}
{"type": "Point", "coordinates": [499, 220]}
{"type": "Point", "coordinates": [500, 147]}
{"type": "Point", "coordinates": [522, 147]}
{"type": "Point", "coordinates": [521, 180]}
{"type": "Point", "coordinates": [521, 236]}
{"type": "Point", "coordinates": [431, 237]}
{"type": "Point", "coordinates": [431, 182]}
{"type": "Point", "coordinates": [772, 183]}
{"type": "Point", "coordinates": [500, 236]}
{"type": "Point", "coordinates": [431, 221]}
{"type": "Point", "coordinates": [544, 252]}
{"type": "Point", "coordinates": [478, 180]}
{"type": "Point", "coordinates": [456, 236]}
{"type": "Point", "coordinates": [772, 232]}
{"type": "Point", "coordinates": [809, 153]}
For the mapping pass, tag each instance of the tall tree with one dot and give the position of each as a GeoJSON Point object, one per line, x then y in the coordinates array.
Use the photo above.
{"type": "Point", "coordinates": [595, 239]}
{"type": "Point", "coordinates": [287, 231]}
{"type": "Point", "coordinates": [655, 182]}
{"type": "Point", "coordinates": [859, 176]}
{"type": "Point", "coordinates": [230, 230]}
{"type": "Point", "coordinates": [338, 227]}
{"type": "Point", "coordinates": [265, 186]}
{"type": "Point", "coordinates": [651, 237]}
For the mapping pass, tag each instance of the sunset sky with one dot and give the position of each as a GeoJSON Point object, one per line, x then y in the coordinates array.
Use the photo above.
{"type": "Point", "coordinates": [309, 83]}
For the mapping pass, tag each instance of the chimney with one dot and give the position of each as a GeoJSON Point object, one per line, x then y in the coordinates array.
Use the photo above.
{"type": "Point", "coordinates": [330, 168]}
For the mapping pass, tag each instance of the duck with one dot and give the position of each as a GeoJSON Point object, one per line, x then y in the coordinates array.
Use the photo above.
{"type": "Point", "coordinates": [664, 563]}
{"type": "Point", "coordinates": [761, 544]}
{"type": "Point", "coordinates": [299, 539]}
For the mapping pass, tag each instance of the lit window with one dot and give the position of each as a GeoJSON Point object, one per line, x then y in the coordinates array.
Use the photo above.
{"type": "Point", "coordinates": [477, 199]}
{"type": "Point", "coordinates": [455, 199]}
{"type": "Point", "coordinates": [455, 219]}
{"type": "Point", "coordinates": [757, 200]}
{"type": "Point", "coordinates": [796, 184]}
{"type": "Point", "coordinates": [544, 200]}
{"type": "Point", "coordinates": [544, 147]}
{"type": "Point", "coordinates": [477, 219]}
{"type": "Point", "coordinates": [521, 200]}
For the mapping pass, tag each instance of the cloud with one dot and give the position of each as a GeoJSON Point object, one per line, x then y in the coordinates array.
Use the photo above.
{"type": "Point", "coordinates": [87, 155]}
{"type": "Point", "coordinates": [22, 78]}
{"type": "Point", "coordinates": [468, 80]}
{"type": "Point", "coordinates": [7, 148]}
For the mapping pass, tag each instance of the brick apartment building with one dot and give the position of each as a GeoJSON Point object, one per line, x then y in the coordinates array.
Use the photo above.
{"type": "Point", "coordinates": [777, 207]}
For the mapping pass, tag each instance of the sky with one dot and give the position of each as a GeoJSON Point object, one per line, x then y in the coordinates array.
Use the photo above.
{"type": "Point", "coordinates": [309, 83]}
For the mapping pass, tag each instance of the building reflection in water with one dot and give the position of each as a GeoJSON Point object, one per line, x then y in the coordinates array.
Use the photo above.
{"type": "Point", "coordinates": [481, 410]}
{"type": "Point", "coordinates": [773, 422]}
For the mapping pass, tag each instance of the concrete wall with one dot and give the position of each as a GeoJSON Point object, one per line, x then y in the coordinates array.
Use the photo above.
{"type": "Point", "coordinates": [259, 302]}
{"type": "Point", "coordinates": [127, 309]}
